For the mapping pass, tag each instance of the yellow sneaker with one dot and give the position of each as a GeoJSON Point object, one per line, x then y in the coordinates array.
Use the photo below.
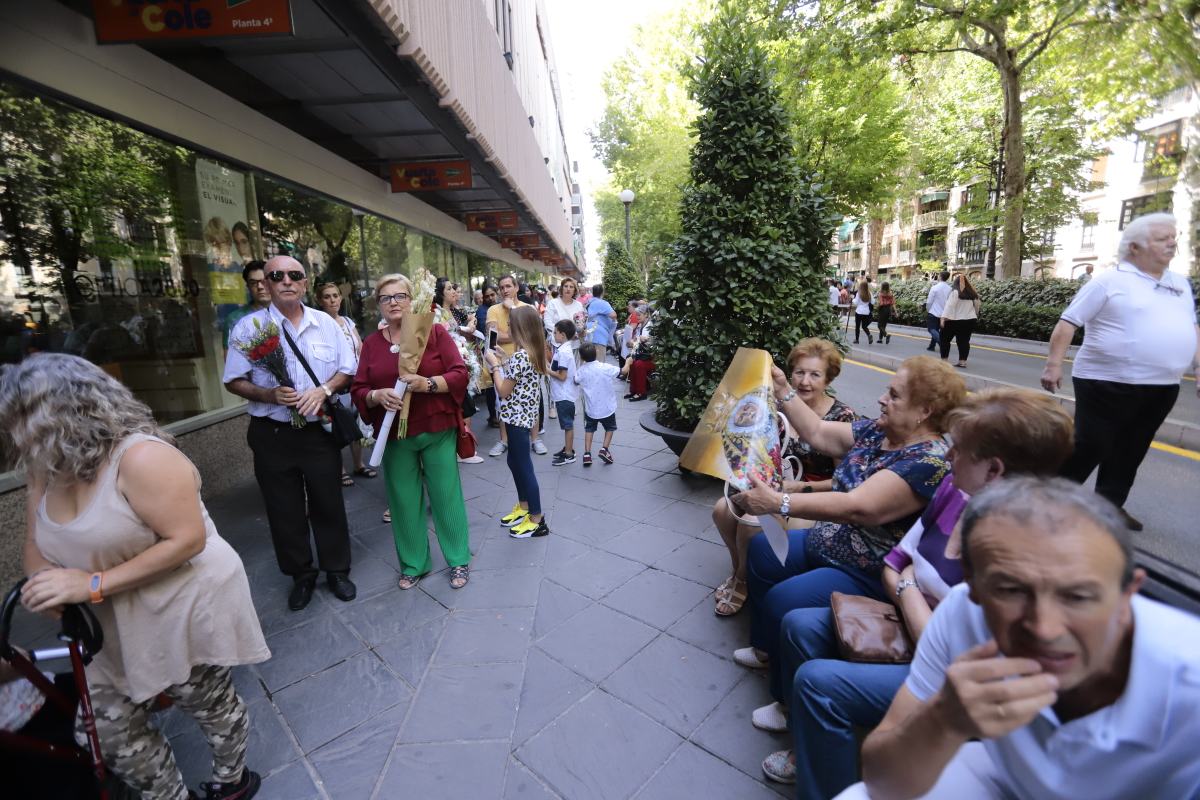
{"type": "Point", "coordinates": [529, 529]}
{"type": "Point", "coordinates": [513, 517]}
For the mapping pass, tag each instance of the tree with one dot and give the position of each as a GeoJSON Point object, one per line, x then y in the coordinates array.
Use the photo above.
{"type": "Point", "coordinates": [747, 267]}
{"type": "Point", "coordinates": [622, 282]}
{"type": "Point", "coordinates": [1015, 37]}
{"type": "Point", "coordinates": [643, 136]}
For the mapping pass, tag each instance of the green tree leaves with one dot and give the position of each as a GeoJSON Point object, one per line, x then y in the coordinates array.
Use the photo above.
{"type": "Point", "coordinates": [622, 282]}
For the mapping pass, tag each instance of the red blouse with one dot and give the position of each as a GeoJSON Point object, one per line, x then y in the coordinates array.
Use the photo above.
{"type": "Point", "coordinates": [428, 413]}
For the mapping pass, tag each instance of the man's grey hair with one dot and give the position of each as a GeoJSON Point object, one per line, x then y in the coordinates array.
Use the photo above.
{"type": "Point", "coordinates": [1138, 231]}
{"type": "Point", "coordinates": [1053, 504]}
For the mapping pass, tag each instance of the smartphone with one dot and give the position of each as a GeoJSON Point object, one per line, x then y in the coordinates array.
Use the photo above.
{"type": "Point", "coordinates": [493, 339]}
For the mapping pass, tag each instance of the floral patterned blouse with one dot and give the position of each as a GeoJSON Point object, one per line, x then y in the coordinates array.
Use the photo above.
{"type": "Point", "coordinates": [862, 547]}
{"type": "Point", "coordinates": [818, 466]}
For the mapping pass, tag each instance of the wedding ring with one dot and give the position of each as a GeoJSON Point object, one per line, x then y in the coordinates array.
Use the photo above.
{"type": "Point", "coordinates": [1000, 712]}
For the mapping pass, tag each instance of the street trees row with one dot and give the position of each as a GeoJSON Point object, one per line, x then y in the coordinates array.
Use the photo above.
{"type": "Point", "coordinates": [887, 97]}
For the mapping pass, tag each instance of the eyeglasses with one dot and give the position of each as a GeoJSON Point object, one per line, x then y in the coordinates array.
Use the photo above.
{"type": "Point", "coordinates": [388, 299]}
{"type": "Point", "coordinates": [254, 281]}
{"type": "Point", "coordinates": [276, 276]}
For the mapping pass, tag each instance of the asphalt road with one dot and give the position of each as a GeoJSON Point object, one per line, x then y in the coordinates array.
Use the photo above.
{"type": "Point", "coordinates": [1165, 498]}
{"type": "Point", "coordinates": [1014, 361]}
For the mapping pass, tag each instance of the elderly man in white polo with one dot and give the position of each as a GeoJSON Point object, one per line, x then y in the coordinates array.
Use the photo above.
{"type": "Point", "coordinates": [1044, 676]}
{"type": "Point", "coordinates": [1139, 336]}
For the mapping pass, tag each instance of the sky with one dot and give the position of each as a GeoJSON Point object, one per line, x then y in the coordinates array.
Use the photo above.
{"type": "Point", "coordinates": [587, 37]}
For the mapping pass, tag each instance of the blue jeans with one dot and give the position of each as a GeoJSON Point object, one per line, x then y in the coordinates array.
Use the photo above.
{"type": "Point", "coordinates": [829, 698]}
{"type": "Point", "coordinates": [775, 589]}
{"type": "Point", "coordinates": [520, 464]}
{"type": "Point", "coordinates": [934, 326]}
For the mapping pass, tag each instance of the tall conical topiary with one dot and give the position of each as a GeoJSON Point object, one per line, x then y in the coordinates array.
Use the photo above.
{"type": "Point", "coordinates": [748, 266]}
{"type": "Point", "coordinates": [621, 280]}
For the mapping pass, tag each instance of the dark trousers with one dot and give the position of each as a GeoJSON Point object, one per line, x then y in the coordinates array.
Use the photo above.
{"type": "Point", "coordinates": [489, 394]}
{"type": "Point", "coordinates": [934, 326]}
{"type": "Point", "coordinates": [299, 473]}
{"type": "Point", "coordinates": [520, 464]}
{"type": "Point", "coordinates": [885, 316]}
{"type": "Point", "coordinates": [958, 330]}
{"type": "Point", "coordinates": [1114, 425]}
{"type": "Point", "coordinates": [862, 322]}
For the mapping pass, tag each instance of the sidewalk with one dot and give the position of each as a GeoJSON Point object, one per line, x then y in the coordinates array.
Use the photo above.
{"type": "Point", "coordinates": [588, 664]}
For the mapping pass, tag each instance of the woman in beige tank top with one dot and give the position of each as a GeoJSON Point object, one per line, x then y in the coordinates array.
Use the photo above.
{"type": "Point", "coordinates": [115, 518]}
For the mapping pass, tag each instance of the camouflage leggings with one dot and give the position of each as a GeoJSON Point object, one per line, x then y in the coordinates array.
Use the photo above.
{"type": "Point", "coordinates": [139, 754]}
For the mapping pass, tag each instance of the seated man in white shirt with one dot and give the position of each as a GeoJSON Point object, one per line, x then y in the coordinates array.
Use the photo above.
{"type": "Point", "coordinates": [1072, 685]}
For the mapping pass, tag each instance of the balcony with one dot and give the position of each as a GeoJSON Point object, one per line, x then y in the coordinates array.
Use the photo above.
{"type": "Point", "coordinates": [971, 257]}
{"type": "Point", "coordinates": [905, 257]}
{"type": "Point", "coordinates": [932, 219]}
{"type": "Point", "coordinates": [933, 252]}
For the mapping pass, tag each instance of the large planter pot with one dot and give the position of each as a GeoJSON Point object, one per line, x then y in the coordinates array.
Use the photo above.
{"type": "Point", "coordinates": [676, 440]}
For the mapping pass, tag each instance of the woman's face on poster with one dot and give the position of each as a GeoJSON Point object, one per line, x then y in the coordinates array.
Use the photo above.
{"type": "Point", "coordinates": [242, 242]}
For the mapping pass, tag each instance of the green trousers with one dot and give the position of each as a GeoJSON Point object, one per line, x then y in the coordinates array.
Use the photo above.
{"type": "Point", "coordinates": [410, 466]}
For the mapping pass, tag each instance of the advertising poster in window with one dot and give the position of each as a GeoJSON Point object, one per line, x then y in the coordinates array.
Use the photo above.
{"type": "Point", "coordinates": [227, 232]}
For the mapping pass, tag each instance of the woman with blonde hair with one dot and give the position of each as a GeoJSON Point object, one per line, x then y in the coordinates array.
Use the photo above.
{"type": "Point", "coordinates": [862, 311]}
{"type": "Point", "coordinates": [518, 380]}
{"type": "Point", "coordinates": [959, 318]}
{"type": "Point", "coordinates": [330, 298]}
{"type": "Point", "coordinates": [426, 459]}
{"type": "Point", "coordinates": [115, 519]}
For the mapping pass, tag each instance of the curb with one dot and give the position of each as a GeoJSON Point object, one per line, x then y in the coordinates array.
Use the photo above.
{"type": "Point", "coordinates": [1173, 432]}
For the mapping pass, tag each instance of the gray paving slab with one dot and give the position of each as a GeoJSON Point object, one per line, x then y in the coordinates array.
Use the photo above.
{"type": "Point", "coordinates": [587, 664]}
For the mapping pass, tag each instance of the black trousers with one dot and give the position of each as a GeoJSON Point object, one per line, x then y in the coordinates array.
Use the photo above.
{"type": "Point", "coordinates": [299, 473]}
{"type": "Point", "coordinates": [958, 330]}
{"type": "Point", "coordinates": [862, 322]}
{"type": "Point", "coordinates": [885, 316]}
{"type": "Point", "coordinates": [489, 394]}
{"type": "Point", "coordinates": [1114, 426]}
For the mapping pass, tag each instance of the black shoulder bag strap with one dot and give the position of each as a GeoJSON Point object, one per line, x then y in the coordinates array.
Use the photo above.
{"type": "Point", "coordinates": [343, 421]}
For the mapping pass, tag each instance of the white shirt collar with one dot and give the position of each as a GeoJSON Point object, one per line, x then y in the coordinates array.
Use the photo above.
{"type": "Point", "coordinates": [1167, 280]}
{"type": "Point", "coordinates": [305, 321]}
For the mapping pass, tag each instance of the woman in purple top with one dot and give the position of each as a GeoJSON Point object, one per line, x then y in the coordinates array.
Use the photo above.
{"type": "Point", "coordinates": [995, 433]}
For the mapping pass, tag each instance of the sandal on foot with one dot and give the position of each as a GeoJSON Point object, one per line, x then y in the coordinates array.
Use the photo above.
{"type": "Point", "coordinates": [408, 581]}
{"type": "Point", "coordinates": [366, 472]}
{"type": "Point", "coordinates": [748, 657]}
{"type": "Point", "coordinates": [732, 601]}
{"type": "Point", "coordinates": [780, 767]}
{"type": "Point", "coordinates": [387, 515]}
{"type": "Point", "coordinates": [347, 480]}
{"type": "Point", "coordinates": [723, 589]}
{"type": "Point", "coordinates": [459, 576]}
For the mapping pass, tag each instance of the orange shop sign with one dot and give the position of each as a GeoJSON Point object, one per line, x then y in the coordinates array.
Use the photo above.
{"type": "Point", "coordinates": [431, 176]}
{"type": "Point", "coordinates": [167, 20]}
{"type": "Point", "coordinates": [520, 241]}
{"type": "Point", "coordinates": [495, 221]}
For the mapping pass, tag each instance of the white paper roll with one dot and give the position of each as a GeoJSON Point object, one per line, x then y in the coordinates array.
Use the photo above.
{"type": "Point", "coordinates": [386, 428]}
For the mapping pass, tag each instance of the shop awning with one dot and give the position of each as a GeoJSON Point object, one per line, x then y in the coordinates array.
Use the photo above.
{"type": "Point", "coordinates": [929, 197]}
{"type": "Point", "coordinates": [847, 228]}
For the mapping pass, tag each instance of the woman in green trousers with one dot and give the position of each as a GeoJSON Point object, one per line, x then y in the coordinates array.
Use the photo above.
{"type": "Point", "coordinates": [425, 460]}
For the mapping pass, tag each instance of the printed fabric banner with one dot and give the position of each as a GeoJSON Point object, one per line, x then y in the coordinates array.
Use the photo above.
{"type": "Point", "coordinates": [738, 435]}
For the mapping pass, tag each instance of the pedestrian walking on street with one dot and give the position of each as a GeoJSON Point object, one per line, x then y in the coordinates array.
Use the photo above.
{"type": "Point", "coordinates": [862, 312]}
{"type": "Point", "coordinates": [935, 304]}
{"type": "Point", "coordinates": [116, 519]}
{"type": "Point", "coordinates": [518, 382]}
{"type": "Point", "coordinates": [595, 378]}
{"type": "Point", "coordinates": [425, 459]}
{"type": "Point", "coordinates": [958, 319]}
{"type": "Point", "coordinates": [297, 464]}
{"type": "Point", "coordinates": [886, 303]}
{"type": "Point", "coordinates": [1139, 336]}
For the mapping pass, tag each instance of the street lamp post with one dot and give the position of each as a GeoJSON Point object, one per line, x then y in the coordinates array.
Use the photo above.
{"type": "Point", "coordinates": [626, 196]}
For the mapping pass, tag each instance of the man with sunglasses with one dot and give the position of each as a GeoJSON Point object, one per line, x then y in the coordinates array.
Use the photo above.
{"type": "Point", "coordinates": [298, 469]}
{"type": "Point", "coordinates": [1140, 335]}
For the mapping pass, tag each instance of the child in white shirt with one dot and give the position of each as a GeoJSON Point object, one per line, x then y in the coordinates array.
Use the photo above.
{"type": "Point", "coordinates": [564, 391]}
{"type": "Point", "coordinates": [600, 401]}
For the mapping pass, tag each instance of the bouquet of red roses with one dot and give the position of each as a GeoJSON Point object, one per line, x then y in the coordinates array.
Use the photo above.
{"type": "Point", "coordinates": [264, 351]}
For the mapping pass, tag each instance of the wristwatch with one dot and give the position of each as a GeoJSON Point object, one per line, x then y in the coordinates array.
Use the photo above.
{"type": "Point", "coordinates": [432, 385]}
{"type": "Point", "coordinates": [325, 389]}
{"type": "Point", "coordinates": [904, 584]}
{"type": "Point", "coordinates": [95, 587]}
{"type": "Point", "coordinates": [785, 508]}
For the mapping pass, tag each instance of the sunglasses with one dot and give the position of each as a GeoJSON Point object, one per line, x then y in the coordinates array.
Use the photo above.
{"type": "Point", "coordinates": [388, 299]}
{"type": "Point", "coordinates": [276, 276]}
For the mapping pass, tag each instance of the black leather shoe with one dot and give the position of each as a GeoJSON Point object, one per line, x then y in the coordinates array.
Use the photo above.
{"type": "Point", "coordinates": [342, 587]}
{"type": "Point", "coordinates": [302, 591]}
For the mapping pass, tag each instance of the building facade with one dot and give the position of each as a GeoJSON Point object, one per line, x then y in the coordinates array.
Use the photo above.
{"type": "Point", "coordinates": [372, 136]}
{"type": "Point", "coordinates": [1156, 169]}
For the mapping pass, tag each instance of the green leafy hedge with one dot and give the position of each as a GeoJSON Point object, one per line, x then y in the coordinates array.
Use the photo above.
{"type": "Point", "coordinates": [1018, 307]}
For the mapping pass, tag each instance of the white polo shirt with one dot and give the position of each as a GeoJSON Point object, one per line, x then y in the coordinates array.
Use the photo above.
{"type": "Point", "coordinates": [834, 295]}
{"type": "Point", "coordinates": [935, 301]}
{"type": "Point", "coordinates": [1145, 745]}
{"type": "Point", "coordinates": [1136, 330]}
{"type": "Point", "coordinates": [320, 339]}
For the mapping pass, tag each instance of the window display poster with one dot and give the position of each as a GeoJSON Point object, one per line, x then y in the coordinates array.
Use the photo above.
{"type": "Point", "coordinates": [226, 231]}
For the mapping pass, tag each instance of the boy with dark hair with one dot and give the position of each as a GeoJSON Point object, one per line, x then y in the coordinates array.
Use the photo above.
{"type": "Point", "coordinates": [599, 401]}
{"type": "Point", "coordinates": [564, 391]}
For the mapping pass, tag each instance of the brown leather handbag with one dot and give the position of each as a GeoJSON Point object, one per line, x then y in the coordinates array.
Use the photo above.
{"type": "Point", "coordinates": [869, 631]}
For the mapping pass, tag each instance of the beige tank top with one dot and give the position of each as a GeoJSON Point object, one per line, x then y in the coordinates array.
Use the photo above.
{"type": "Point", "coordinates": [199, 613]}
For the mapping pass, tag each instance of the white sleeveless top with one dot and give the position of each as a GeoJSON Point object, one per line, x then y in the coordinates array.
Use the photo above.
{"type": "Point", "coordinates": [200, 613]}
